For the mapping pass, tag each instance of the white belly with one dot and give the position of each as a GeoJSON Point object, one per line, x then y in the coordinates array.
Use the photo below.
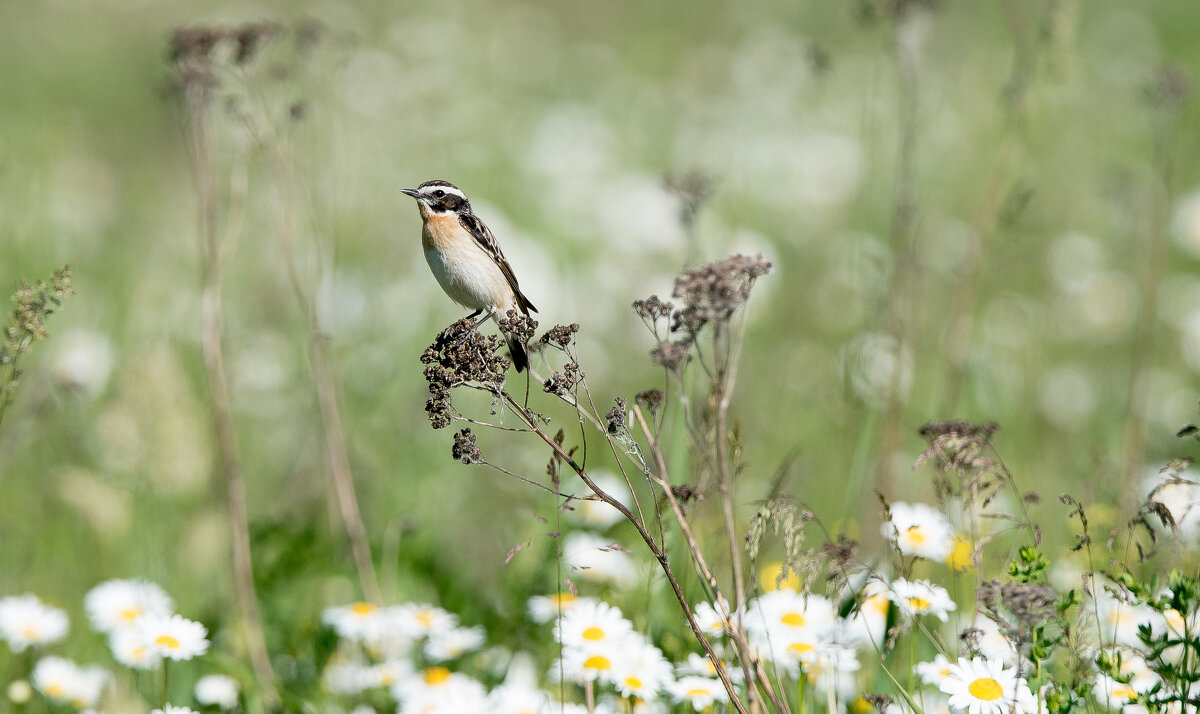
{"type": "Point", "coordinates": [470, 278]}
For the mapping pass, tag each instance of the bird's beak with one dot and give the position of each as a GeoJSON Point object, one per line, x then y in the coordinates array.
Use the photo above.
{"type": "Point", "coordinates": [411, 192]}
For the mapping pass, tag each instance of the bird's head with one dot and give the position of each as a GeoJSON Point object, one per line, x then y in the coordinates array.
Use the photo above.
{"type": "Point", "coordinates": [439, 198]}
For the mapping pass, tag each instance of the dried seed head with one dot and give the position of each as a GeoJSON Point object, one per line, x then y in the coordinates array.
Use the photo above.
{"type": "Point", "coordinates": [651, 399]}
{"type": "Point", "coordinates": [652, 308]}
{"type": "Point", "coordinates": [465, 449]}
{"type": "Point", "coordinates": [712, 292]}
{"type": "Point", "coordinates": [561, 335]}
{"type": "Point", "coordinates": [615, 418]}
{"type": "Point", "coordinates": [671, 355]}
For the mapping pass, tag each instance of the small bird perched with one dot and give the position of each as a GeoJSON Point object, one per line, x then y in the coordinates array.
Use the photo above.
{"type": "Point", "coordinates": [466, 259]}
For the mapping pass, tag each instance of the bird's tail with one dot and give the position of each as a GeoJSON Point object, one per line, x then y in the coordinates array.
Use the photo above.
{"type": "Point", "coordinates": [516, 347]}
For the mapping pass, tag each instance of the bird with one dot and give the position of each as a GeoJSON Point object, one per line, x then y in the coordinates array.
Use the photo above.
{"type": "Point", "coordinates": [466, 259]}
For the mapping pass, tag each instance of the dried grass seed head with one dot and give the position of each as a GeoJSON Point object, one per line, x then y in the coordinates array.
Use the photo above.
{"type": "Point", "coordinates": [711, 293]}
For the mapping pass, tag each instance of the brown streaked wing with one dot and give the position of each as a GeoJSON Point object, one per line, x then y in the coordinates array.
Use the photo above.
{"type": "Point", "coordinates": [486, 240]}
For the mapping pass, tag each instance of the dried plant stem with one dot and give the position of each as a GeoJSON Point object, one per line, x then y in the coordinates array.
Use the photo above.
{"type": "Point", "coordinates": [737, 633]}
{"type": "Point", "coordinates": [659, 554]}
{"type": "Point", "coordinates": [1142, 361]}
{"type": "Point", "coordinates": [218, 388]}
{"type": "Point", "coordinates": [333, 430]}
{"type": "Point", "coordinates": [899, 297]}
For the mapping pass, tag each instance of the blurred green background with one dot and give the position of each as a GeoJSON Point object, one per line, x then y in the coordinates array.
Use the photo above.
{"type": "Point", "coordinates": [987, 211]}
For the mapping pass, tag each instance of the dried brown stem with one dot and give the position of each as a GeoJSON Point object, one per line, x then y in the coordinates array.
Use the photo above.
{"type": "Point", "coordinates": [736, 631]}
{"type": "Point", "coordinates": [324, 376]}
{"type": "Point", "coordinates": [658, 553]}
{"type": "Point", "coordinates": [218, 388]}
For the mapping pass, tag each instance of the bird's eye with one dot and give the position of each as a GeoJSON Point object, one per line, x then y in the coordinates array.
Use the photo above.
{"type": "Point", "coordinates": [439, 193]}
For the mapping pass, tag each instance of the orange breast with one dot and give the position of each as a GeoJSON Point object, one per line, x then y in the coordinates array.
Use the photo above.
{"type": "Point", "coordinates": [441, 231]}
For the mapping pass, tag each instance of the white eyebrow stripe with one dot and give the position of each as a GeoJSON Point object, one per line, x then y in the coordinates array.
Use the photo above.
{"type": "Point", "coordinates": [428, 190]}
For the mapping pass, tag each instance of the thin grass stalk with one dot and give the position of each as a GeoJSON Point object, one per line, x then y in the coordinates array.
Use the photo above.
{"type": "Point", "coordinates": [1145, 341]}
{"type": "Point", "coordinates": [323, 372]}
{"type": "Point", "coordinates": [899, 297]}
{"type": "Point", "coordinates": [196, 97]}
{"type": "Point", "coordinates": [737, 632]}
{"type": "Point", "coordinates": [531, 422]}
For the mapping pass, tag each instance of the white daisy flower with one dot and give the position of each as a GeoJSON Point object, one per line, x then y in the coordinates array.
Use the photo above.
{"type": "Point", "coordinates": [832, 666]}
{"type": "Point", "coordinates": [590, 661]}
{"type": "Point", "coordinates": [591, 622]}
{"type": "Point", "coordinates": [344, 677]}
{"type": "Point", "coordinates": [921, 597]}
{"type": "Point", "coordinates": [437, 690]}
{"type": "Point", "coordinates": [217, 690]}
{"type": "Point", "coordinates": [788, 627]}
{"type": "Point", "coordinates": [1119, 621]}
{"type": "Point", "coordinates": [25, 621]}
{"type": "Point", "coordinates": [115, 604]}
{"type": "Point", "coordinates": [595, 513]}
{"type": "Point", "coordinates": [1113, 694]}
{"type": "Point", "coordinates": [992, 643]}
{"type": "Point", "coordinates": [700, 666]}
{"type": "Point", "coordinates": [984, 686]}
{"type": "Point", "coordinates": [454, 643]}
{"type": "Point", "coordinates": [598, 559]}
{"type": "Point", "coordinates": [641, 671]}
{"type": "Point", "coordinates": [932, 673]}
{"type": "Point", "coordinates": [544, 608]}
{"type": "Point", "coordinates": [784, 611]}
{"type": "Point", "coordinates": [385, 674]}
{"type": "Point", "coordinates": [867, 624]}
{"type": "Point", "coordinates": [174, 637]}
{"type": "Point", "coordinates": [356, 622]}
{"type": "Point", "coordinates": [710, 619]}
{"type": "Point", "coordinates": [700, 692]}
{"type": "Point", "coordinates": [63, 681]}
{"type": "Point", "coordinates": [517, 699]}
{"type": "Point", "coordinates": [133, 648]}
{"type": "Point", "coordinates": [172, 709]}
{"type": "Point", "coordinates": [920, 530]}
{"type": "Point", "coordinates": [422, 619]}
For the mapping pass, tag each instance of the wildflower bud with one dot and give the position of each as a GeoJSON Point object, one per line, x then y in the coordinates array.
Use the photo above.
{"type": "Point", "coordinates": [19, 691]}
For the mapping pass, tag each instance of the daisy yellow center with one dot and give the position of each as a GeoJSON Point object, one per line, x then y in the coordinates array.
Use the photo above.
{"type": "Point", "coordinates": [563, 598]}
{"type": "Point", "coordinates": [799, 648]}
{"type": "Point", "coordinates": [593, 633]}
{"type": "Point", "coordinates": [633, 682]}
{"type": "Point", "coordinates": [861, 706]}
{"type": "Point", "coordinates": [167, 641]}
{"type": "Point", "coordinates": [78, 703]}
{"type": "Point", "coordinates": [55, 690]}
{"type": "Point", "coordinates": [986, 688]}
{"type": "Point", "coordinates": [597, 662]}
{"type": "Point", "coordinates": [694, 693]}
{"type": "Point", "coordinates": [1174, 620]}
{"type": "Point", "coordinates": [436, 675]}
{"type": "Point", "coordinates": [131, 613]}
{"type": "Point", "coordinates": [30, 632]}
{"type": "Point", "coordinates": [915, 535]}
{"type": "Point", "coordinates": [793, 619]}
{"type": "Point", "coordinates": [425, 617]}
{"type": "Point", "coordinates": [918, 603]}
{"type": "Point", "coordinates": [880, 603]}
{"type": "Point", "coordinates": [362, 608]}
{"type": "Point", "coordinates": [961, 554]}
{"type": "Point", "coordinates": [1124, 691]}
